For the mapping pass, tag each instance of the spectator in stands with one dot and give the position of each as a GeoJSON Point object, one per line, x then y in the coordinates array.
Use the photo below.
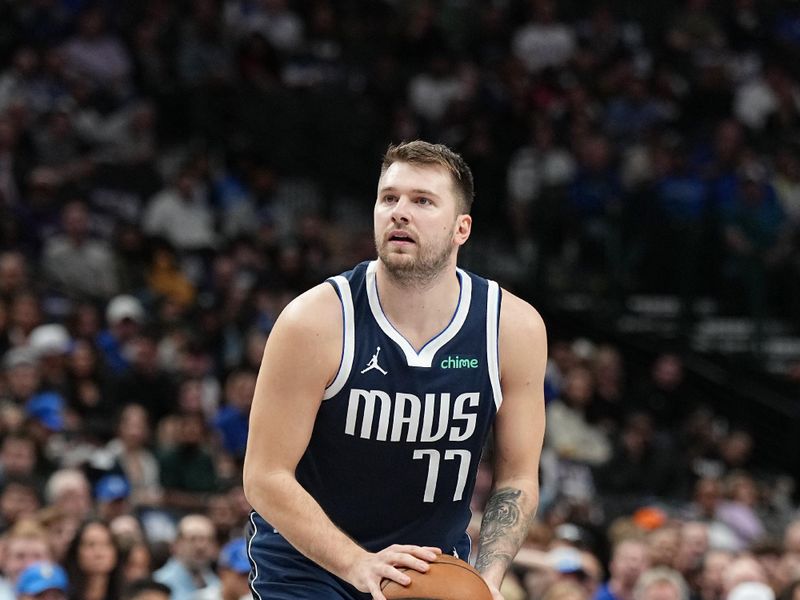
{"type": "Point", "coordinates": [181, 214]}
{"type": "Point", "coordinates": [51, 344]}
{"type": "Point", "coordinates": [43, 581]}
{"type": "Point", "coordinates": [568, 432]}
{"type": "Point", "coordinates": [124, 317]}
{"type": "Point", "coordinates": [111, 494]}
{"type": "Point", "coordinates": [640, 467]}
{"type": "Point", "coordinates": [146, 589]}
{"type": "Point", "coordinates": [757, 239]}
{"type": "Point", "coordinates": [188, 473]}
{"type": "Point", "coordinates": [663, 543]}
{"type": "Point", "coordinates": [24, 544]}
{"type": "Point", "coordinates": [233, 565]}
{"type": "Point", "coordinates": [74, 263]}
{"type": "Point", "coordinates": [22, 375]}
{"type": "Point", "coordinates": [709, 582]}
{"type": "Point", "coordinates": [69, 491]}
{"type": "Point", "coordinates": [98, 55]}
{"type": "Point", "coordinates": [92, 563]}
{"type": "Point", "coordinates": [543, 41]}
{"type": "Point", "coordinates": [136, 560]}
{"type": "Point", "coordinates": [18, 456]}
{"type": "Point", "coordinates": [132, 455]}
{"type": "Point", "coordinates": [145, 382]}
{"type": "Point", "coordinates": [19, 499]}
{"type": "Point", "coordinates": [14, 274]}
{"type": "Point", "coordinates": [660, 583]}
{"type": "Point", "coordinates": [629, 559]}
{"type": "Point", "coordinates": [60, 527]}
{"type": "Point", "coordinates": [742, 569]}
{"type": "Point", "coordinates": [232, 420]}
{"type": "Point", "coordinates": [189, 566]}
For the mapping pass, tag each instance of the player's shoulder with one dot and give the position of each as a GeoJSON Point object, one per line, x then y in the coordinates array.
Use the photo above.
{"type": "Point", "coordinates": [317, 309]}
{"type": "Point", "coordinates": [519, 318]}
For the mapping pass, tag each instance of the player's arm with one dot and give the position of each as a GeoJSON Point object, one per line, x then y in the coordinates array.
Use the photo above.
{"type": "Point", "coordinates": [300, 359]}
{"type": "Point", "coordinates": [518, 436]}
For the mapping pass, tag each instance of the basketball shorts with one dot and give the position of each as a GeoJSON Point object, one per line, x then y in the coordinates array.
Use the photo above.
{"type": "Point", "coordinates": [279, 572]}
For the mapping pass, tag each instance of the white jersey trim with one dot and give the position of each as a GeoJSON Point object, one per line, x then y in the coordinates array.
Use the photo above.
{"type": "Point", "coordinates": [493, 342]}
{"type": "Point", "coordinates": [253, 563]}
{"type": "Point", "coordinates": [348, 337]}
{"type": "Point", "coordinates": [426, 355]}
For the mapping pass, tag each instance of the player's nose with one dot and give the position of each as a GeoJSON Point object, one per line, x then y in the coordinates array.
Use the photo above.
{"type": "Point", "coordinates": [400, 211]}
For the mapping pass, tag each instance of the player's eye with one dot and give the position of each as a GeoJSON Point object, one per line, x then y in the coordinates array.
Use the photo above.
{"type": "Point", "coordinates": [390, 198]}
{"type": "Point", "coordinates": [423, 200]}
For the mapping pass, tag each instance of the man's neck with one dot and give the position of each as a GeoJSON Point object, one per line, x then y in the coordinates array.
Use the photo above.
{"type": "Point", "coordinates": [419, 312]}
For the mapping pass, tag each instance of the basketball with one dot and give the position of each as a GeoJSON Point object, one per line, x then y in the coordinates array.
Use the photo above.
{"type": "Point", "coordinates": [448, 578]}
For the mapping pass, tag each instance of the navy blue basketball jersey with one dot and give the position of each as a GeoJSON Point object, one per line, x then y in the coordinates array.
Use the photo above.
{"type": "Point", "coordinates": [399, 434]}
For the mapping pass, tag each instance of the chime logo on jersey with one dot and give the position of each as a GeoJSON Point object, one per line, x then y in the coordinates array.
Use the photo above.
{"type": "Point", "coordinates": [409, 418]}
{"type": "Point", "coordinates": [459, 362]}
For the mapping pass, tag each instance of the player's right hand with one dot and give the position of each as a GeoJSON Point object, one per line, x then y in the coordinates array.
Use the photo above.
{"type": "Point", "coordinates": [367, 573]}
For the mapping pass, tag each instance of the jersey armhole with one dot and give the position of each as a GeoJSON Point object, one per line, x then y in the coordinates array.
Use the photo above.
{"type": "Point", "coordinates": [342, 287]}
{"type": "Point", "coordinates": [493, 341]}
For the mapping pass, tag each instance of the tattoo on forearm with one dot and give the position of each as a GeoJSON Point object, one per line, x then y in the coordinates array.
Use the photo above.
{"type": "Point", "coordinates": [503, 528]}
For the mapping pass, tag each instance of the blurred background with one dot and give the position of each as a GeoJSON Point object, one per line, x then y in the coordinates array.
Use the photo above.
{"type": "Point", "coordinates": [173, 173]}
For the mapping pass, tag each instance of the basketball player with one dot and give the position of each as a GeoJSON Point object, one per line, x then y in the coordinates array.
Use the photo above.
{"type": "Point", "coordinates": [376, 393]}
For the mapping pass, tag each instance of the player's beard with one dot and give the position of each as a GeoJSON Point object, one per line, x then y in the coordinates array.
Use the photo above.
{"type": "Point", "coordinates": [417, 270]}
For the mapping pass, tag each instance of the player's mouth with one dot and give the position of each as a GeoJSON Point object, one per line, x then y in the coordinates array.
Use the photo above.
{"type": "Point", "coordinates": [400, 237]}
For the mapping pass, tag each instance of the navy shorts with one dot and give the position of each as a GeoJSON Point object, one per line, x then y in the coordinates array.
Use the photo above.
{"type": "Point", "coordinates": [279, 572]}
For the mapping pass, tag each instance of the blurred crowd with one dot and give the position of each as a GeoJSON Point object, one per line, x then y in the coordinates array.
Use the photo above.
{"type": "Point", "coordinates": [173, 173]}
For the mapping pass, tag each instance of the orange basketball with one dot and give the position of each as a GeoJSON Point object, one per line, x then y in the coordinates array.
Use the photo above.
{"type": "Point", "coordinates": [448, 578]}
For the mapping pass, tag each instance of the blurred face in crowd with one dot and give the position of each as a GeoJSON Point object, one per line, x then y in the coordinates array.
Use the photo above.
{"type": "Point", "coordinates": [663, 545]}
{"type": "Point", "coordinates": [668, 372]}
{"type": "Point", "coordinates": [630, 560]}
{"type": "Point", "coordinates": [23, 380]}
{"type": "Point", "coordinates": [578, 387]}
{"type": "Point", "coordinates": [13, 271]}
{"type": "Point", "coordinates": [25, 312]}
{"type": "Point", "coordinates": [18, 456]}
{"type": "Point", "coordinates": [134, 429]}
{"type": "Point", "coordinates": [137, 563]}
{"type": "Point", "coordinates": [714, 564]}
{"type": "Point", "coordinates": [660, 590]}
{"type": "Point", "coordinates": [196, 544]}
{"type": "Point", "coordinates": [692, 547]}
{"type": "Point", "coordinates": [60, 532]}
{"type": "Point", "coordinates": [18, 500]}
{"type": "Point", "coordinates": [97, 554]}
{"type": "Point", "coordinates": [74, 497]}
{"type": "Point", "coordinates": [21, 552]}
{"type": "Point", "coordinates": [239, 390]}
{"type": "Point", "coordinates": [742, 569]}
{"type": "Point", "coordinates": [82, 359]}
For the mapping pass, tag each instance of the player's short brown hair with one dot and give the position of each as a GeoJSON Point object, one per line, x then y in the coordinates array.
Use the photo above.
{"type": "Point", "coordinates": [425, 153]}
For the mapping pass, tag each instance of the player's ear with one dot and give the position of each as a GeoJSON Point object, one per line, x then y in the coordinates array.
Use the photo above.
{"type": "Point", "coordinates": [463, 229]}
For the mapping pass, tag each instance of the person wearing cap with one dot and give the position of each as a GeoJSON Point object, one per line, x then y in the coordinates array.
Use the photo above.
{"type": "Point", "coordinates": [111, 492]}
{"type": "Point", "coordinates": [42, 581]}
{"type": "Point", "coordinates": [51, 344]}
{"type": "Point", "coordinates": [233, 566]}
{"type": "Point", "coordinates": [124, 317]}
